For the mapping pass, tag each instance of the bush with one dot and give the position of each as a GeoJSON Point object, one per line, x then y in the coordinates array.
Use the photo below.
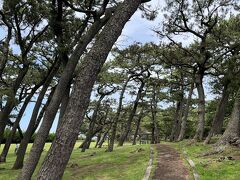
{"type": "Point", "coordinates": [17, 138]}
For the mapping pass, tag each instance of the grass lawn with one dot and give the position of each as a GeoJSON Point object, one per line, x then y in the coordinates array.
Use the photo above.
{"type": "Point", "coordinates": [208, 167]}
{"type": "Point", "coordinates": [124, 163]}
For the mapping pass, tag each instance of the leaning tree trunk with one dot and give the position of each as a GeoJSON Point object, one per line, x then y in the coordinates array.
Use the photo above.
{"type": "Point", "coordinates": [233, 128]}
{"type": "Point", "coordinates": [137, 127]}
{"type": "Point", "coordinates": [31, 126]}
{"type": "Point", "coordinates": [5, 49]}
{"type": "Point", "coordinates": [52, 109]}
{"type": "Point", "coordinates": [14, 128]}
{"type": "Point", "coordinates": [103, 138]}
{"type": "Point", "coordinates": [19, 117]}
{"type": "Point", "coordinates": [219, 116]}
{"type": "Point", "coordinates": [10, 100]}
{"type": "Point", "coordinates": [116, 117]}
{"type": "Point", "coordinates": [66, 135]}
{"type": "Point", "coordinates": [99, 136]}
{"type": "Point", "coordinates": [90, 131]}
{"type": "Point", "coordinates": [201, 108]}
{"type": "Point", "coordinates": [89, 140]}
{"type": "Point", "coordinates": [131, 116]}
{"type": "Point", "coordinates": [30, 129]}
{"type": "Point", "coordinates": [185, 114]}
{"type": "Point", "coordinates": [64, 103]}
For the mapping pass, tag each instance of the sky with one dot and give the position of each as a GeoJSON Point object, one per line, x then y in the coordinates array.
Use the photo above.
{"type": "Point", "coordinates": [138, 29]}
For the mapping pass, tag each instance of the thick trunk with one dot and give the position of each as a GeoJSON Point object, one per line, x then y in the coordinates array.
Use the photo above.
{"type": "Point", "coordinates": [66, 135]}
{"type": "Point", "coordinates": [185, 114]}
{"type": "Point", "coordinates": [201, 108]}
{"type": "Point", "coordinates": [131, 116]}
{"type": "Point", "coordinates": [176, 120]}
{"type": "Point", "coordinates": [64, 104]}
{"type": "Point", "coordinates": [137, 127]}
{"type": "Point", "coordinates": [233, 128]}
{"type": "Point", "coordinates": [52, 109]}
{"type": "Point", "coordinates": [219, 116]}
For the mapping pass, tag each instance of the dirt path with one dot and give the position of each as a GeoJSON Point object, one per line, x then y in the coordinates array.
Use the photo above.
{"type": "Point", "coordinates": [170, 166]}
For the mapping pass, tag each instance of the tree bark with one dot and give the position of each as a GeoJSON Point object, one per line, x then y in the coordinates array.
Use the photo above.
{"type": "Point", "coordinates": [177, 120]}
{"type": "Point", "coordinates": [131, 116]}
{"type": "Point", "coordinates": [116, 117]}
{"type": "Point", "coordinates": [5, 50]}
{"type": "Point", "coordinates": [10, 100]}
{"type": "Point", "coordinates": [99, 136]}
{"type": "Point", "coordinates": [31, 126]}
{"type": "Point", "coordinates": [137, 127]}
{"type": "Point", "coordinates": [233, 128]}
{"type": "Point", "coordinates": [64, 104]}
{"type": "Point", "coordinates": [90, 131]}
{"type": "Point", "coordinates": [19, 117]}
{"type": "Point", "coordinates": [103, 138]}
{"type": "Point", "coordinates": [201, 107]}
{"type": "Point", "coordinates": [155, 132]}
{"type": "Point", "coordinates": [52, 109]}
{"type": "Point", "coordinates": [219, 116]}
{"type": "Point", "coordinates": [185, 115]}
{"type": "Point", "coordinates": [66, 135]}
{"type": "Point", "coordinates": [15, 126]}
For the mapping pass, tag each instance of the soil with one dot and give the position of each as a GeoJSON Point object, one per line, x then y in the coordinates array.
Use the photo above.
{"type": "Point", "coordinates": [169, 164]}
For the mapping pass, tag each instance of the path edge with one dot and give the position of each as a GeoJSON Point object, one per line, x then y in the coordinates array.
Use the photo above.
{"type": "Point", "coordinates": [191, 163]}
{"type": "Point", "coordinates": [150, 165]}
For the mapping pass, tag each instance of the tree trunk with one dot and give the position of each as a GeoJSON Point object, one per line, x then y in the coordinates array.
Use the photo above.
{"type": "Point", "coordinates": [31, 126]}
{"type": "Point", "coordinates": [177, 120]}
{"type": "Point", "coordinates": [99, 136]}
{"type": "Point", "coordinates": [152, 135]}
{"type": "Point", "coordinates": [155, 132]}
{"type": "Point", "coordinates": [66, 135]}
{"type": "Point", "coordinates": [233, 128]}
{"type": "Point", "coordinates": [103, 139]}
{"type": "Point", "coordinates": [5, 50]}
{"type": "Point", "coordinates": [185, 114]}
{"type": "Point", "coordinates": [116, 117]}
{"type": "Point", "coordinates": [131, 116]}
{"type": "Point", "coordinates": [201, 108]}
{"type": "Point", "coordinates": [219, 116]}
{"type": "Point", "coordinates": [52, 109]}
{"type": "Point", "coordinates": [64, 102]}
{"type": "Point", "coordinates": [10, 100]}
{"type": "Point", "coordinates": [137, 127]}
{"type": "Point", "coordinates": [19, 117]}
{"type": "Point", "coordinates": [90, 131]}
{"type": "Point", "coordinates": [88, 141]}
{"type": "Point", "coordinates": [14, 128]}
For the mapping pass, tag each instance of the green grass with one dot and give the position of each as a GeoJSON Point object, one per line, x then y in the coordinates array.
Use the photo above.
{"type": "Point", "coordinates": [208, 167]}
{"type": "Point", "coordinates": [124, 163]}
